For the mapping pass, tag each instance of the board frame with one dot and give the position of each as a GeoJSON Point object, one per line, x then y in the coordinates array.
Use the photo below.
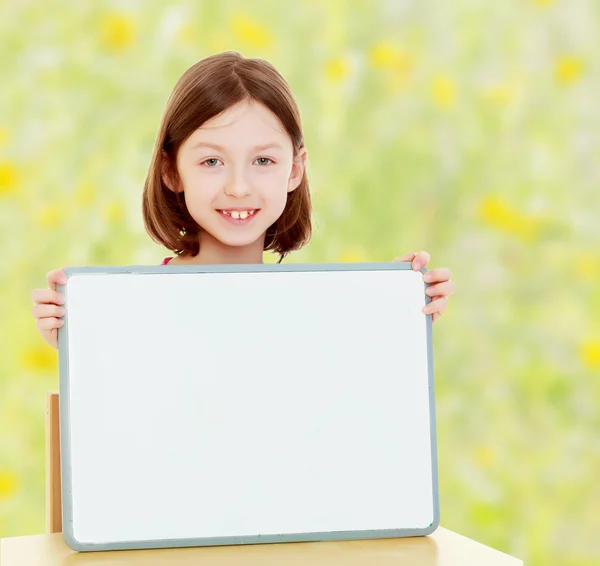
{"type": "Point", "coordinates": [63, 344]}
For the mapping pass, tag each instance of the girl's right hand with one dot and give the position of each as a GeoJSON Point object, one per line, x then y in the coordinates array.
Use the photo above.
{"type": "Point", "coordinates": [48, 308]}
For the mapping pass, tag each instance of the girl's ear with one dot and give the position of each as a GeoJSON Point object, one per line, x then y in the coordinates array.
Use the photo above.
{"type": "Point", "coordinates": [167, 174]}
{"type": "Point", "coordinates": [298, 168]}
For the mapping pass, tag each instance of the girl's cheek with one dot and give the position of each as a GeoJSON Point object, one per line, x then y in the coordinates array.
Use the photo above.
{"type": "Point", "coordinates": [208, 181]}
{"type": "Point", "coordinates": [272, 179]}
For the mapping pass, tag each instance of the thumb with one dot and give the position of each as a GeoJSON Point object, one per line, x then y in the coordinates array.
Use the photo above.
{"type": "Point", "coordinates": [406, 257]}
{"type": "Point", "coordinates": [64, 281]}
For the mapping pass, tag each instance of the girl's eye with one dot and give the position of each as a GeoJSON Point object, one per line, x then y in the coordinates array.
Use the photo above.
{"type": "Point", "coordinates": [211, 162]}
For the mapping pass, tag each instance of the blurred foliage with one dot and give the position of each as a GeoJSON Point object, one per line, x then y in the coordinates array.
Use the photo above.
{"type": "Point", "coordinates": [468, 129]}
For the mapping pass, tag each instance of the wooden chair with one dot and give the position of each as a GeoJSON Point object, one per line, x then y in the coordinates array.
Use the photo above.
{"type": "Point", "coordinates": [53, 487]}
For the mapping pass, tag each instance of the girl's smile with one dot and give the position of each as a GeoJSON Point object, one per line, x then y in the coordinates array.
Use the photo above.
{"type": "Point", "coordinates": [238, 216]}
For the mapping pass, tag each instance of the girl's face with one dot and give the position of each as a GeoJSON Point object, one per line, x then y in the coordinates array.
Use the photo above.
{"type": "Point", "coordinates": [236, 171]}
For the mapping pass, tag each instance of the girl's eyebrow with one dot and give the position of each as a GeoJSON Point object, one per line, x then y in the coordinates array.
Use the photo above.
{"type": "Point", "coordinates": [272, 145]}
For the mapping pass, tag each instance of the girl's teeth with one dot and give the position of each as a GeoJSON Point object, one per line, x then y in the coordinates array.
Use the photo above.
{"type": "Point", "coordinates": [239, 214]}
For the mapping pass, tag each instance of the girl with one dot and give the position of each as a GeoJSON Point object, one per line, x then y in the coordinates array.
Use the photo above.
{"type": "Point", "coordinates": [227, 179]}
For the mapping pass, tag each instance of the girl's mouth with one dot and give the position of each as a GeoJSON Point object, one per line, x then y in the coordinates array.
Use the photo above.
{"type": "Point", "coordinates": [239, 216]}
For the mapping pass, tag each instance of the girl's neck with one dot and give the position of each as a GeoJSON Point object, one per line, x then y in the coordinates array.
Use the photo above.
{"type": "Point", "coordinates": [214, 252]}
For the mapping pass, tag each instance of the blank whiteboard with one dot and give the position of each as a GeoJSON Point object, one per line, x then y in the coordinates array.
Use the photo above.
{"type": "Point", "coordinates": [241, 404]}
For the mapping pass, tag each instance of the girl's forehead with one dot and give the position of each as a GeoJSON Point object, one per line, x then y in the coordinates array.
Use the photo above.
{"type": "Point", "coordinates": [244, 114]}
{"type": "Point", "coordinates": [245, 124]}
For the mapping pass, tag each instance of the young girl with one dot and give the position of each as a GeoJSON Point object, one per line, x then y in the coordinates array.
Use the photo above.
{"type": "Point", "coordinates": [227, 179]}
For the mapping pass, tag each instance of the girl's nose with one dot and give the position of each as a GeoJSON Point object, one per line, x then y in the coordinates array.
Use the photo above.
{"type": "Point", "coordinates": [237, 187]}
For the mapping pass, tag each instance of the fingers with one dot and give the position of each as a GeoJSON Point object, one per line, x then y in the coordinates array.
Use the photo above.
{"type": "Point", "coordinates": [418, 260]}
{"type": "Point", "coordinates": [438, 305]}
{"type": "Point", "coordinates": [406, 257]}
{"type": "Point", "coordinates": [444, 289]}
{"type": "Point", "coordinates": [55, 277]}
{"type": "Point", "coordinates": [438, 274]}
{"type": "Point", "coordinates": [439, 292]}
{"type": "Point", "coordinates": [47, 307]}
{"type": "Point", "coordinates": [46, 311]}
{"type": "Point", "coordinates": [49, 323]}
{"type": "Point", "coordinates": [48, 316]}
{"type": "Point", "coordinates": [47, 296]}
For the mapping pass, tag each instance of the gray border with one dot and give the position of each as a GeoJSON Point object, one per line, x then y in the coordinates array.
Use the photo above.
{"type": "Point", "coordinates": [65, 440]}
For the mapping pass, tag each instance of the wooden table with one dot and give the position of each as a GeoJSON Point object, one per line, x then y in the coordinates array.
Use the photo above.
{"type": "Point", "coordinates": [442, 548]}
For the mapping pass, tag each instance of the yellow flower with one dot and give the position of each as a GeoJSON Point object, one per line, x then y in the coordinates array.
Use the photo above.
{"type": "Point", "coordinates": [443, 91]}
{"type": "Point", "coordinates": [40, 358]}
{"type": "Point", "coordinates": [251, 33]}
{"type": "Point", "coordinates": [50, 217]}
{"type": "Point", "coordinates": [395, 62]}
{"type": "Point", "coordinates": [484, 456]}
{"type": "Point", "coordinates": [117, 31]}
{"type": "Point", "coordinates": [494, 210]}
{"type": "Point", "coordinates": [382, 55]}
{"type": "Point", "coordinates": [587, 267]}
{"type": "Point", "coordinates": [386, 55]}
{"type": "Point", "coordinates": [353, 255]}
{"type": "Point", "coordinates": [497, 213]}
{"type": "Point", "coordinates": [8, 178]}
{"type": "Point", "coordinates": [589, 352]}
{"type": "Point", "coordinates": [8, 484]}
{"type": "Point", "coordinates": [336, 70]}
{"type": "Point", "coordinates": [113, 212]}
{"type": "Point", "coordinates": [568, 69]}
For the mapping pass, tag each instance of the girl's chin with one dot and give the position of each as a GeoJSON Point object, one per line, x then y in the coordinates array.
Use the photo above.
{"type": "Point", "coordinates": [235, 240]}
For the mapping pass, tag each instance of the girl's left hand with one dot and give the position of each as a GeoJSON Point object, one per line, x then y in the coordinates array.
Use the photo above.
{"type": "Point", "coordinates": [439, 292]}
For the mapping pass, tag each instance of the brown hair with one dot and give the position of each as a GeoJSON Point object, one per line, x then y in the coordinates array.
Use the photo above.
{"type": "Point", "coordinates": [205, 90]}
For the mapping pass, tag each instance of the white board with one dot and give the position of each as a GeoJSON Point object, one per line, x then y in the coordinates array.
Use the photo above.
{"type": "Point", "coordinates": [212, 405]}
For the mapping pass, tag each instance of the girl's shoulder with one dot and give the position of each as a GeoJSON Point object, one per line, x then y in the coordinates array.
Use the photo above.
{"type": "Point", "coordinates": [166, 260]}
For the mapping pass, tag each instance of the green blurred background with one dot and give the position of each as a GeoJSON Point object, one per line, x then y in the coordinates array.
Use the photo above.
{"type": "Point", "coordinates": [467, 129]}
